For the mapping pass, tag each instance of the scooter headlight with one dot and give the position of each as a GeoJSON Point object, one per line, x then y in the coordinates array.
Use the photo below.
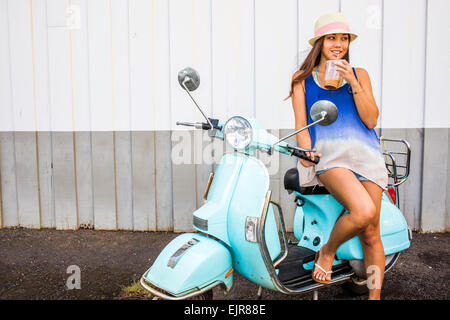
{"type": "Point", "coordinates": [238, 132]}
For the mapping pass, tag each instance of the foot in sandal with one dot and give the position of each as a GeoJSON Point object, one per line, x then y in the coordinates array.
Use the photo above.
{"type": "Point", "coordinates": [322, 266]}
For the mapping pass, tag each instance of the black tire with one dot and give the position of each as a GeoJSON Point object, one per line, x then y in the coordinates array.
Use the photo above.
{"type": "Point", "coordinates": [356, 286]}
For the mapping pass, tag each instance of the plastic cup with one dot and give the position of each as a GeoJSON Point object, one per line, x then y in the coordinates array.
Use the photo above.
{"type": "Point", "coordinates": [333, 80]}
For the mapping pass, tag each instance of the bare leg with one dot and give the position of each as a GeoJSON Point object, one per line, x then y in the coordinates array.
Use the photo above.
{"type": "Point", "coordinates": [362, 212]}
{"type": "Point", "coordinates": [373, 251]}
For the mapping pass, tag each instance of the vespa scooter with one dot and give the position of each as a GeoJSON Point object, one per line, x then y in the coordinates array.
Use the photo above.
{"type": "Point", "coordinates": [239, 229]}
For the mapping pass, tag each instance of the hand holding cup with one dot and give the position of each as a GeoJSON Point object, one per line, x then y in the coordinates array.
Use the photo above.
{"type": "Point", "coordinates": [345, 70]}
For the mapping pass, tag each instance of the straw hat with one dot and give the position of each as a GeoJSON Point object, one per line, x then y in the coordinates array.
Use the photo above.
{"type": "Point", "coordinates": [331, 23]}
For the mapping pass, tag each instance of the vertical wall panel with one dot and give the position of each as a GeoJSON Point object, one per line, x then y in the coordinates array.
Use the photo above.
{"type": "Point", "coordinates": [437, 113]}
{"type": "Point", "coordinates": [84, 172]}
{"type": "Point", "coordinates": [149, 65]}
{"type": "Point", "coordinates": [41, 83]}
{"type": "Point", "coordinates": [162, 110]}
{"type": "Point", "coordinates": [143, 157]}
{"type": "Point", "coordinates": [76, 13]}
{"type": "Point", "coordinates": [184, 180]}
{"type": "Point", "coordinates": [22, 65]}
{"type": "Point", "coordinates": [124, 180]}
{"type": "Point", "coordinates": [66, 216]}
{"type": "Point", "coordinates": [403, 60]}
{"type": "Point", "coordinates": [103, 114]}
{"type": "Point", "coordinates": [141, 57]}
{"type": "Point", "coordinates": [412, 188]}
{"type": "Point", "coordinates": [28, 189]}
{"type": "Point", "coordinates": [7, 161]}
{"type": "Point", "coordinates": [436, 120]}
{"type": "Point", "coordinates": [41, 68]}
{"type": "Point", "coordinates": [275, 61]}
{"type": "Point", "coordinates": [9, 203]}
{"type": "Point", "coordinates": [105, 215]}
{"type": "Point", "coordinates": [150, 105]}
{"type": "Point", "coordinates": [46, 180]}
{"type": "Point", "coordinates": [61, 115]}
{"type": "Point", "coordinates": [435, 174]}
{"type": "Point", "coordinates": [102, 97]}
{"type": "Point", "coordinates": [164, 178]}
{"type": "Point", "coordinates": [233, 54]}
{"type": "Point", "coordinates": [120, 64]}
{"type": "Point", "coordinates": [121, 91]}
{"type": "Point", "coordinates": [6, 108]}
{"type": "Point", "coordinates": [24, 112]}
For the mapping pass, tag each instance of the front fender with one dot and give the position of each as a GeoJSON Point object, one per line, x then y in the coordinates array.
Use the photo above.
{"type": "Point", "coordinates": [189, 264]}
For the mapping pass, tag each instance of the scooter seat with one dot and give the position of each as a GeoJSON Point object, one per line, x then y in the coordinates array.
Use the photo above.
{"type": "Point", "coordinates": [292, 183]}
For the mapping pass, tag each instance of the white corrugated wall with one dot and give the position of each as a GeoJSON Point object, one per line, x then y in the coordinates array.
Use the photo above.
{"type": "Point", "coordinates": [89, 98]}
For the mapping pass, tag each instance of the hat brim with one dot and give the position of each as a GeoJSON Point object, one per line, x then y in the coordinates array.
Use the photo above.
{"type": "Point", "coordinates": [352, 35]}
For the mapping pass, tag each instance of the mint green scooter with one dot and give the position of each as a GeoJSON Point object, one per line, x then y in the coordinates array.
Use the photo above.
{"type": "Point", "coordinates": [241, 229]}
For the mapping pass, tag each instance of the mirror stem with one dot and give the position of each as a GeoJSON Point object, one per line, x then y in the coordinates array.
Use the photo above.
{"type": "Point", "coordinates": [323, 114]}
{"type": "Point", "coordinates": [195, 102]}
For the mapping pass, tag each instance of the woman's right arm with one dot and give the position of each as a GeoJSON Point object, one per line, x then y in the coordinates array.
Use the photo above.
{"type": "Point", "coordinates": [301, 120]}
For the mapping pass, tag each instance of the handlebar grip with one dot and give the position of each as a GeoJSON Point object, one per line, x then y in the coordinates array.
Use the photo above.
{"type": "Point", "coordinates": [302, 155]}
{"type": "Point", "coordinates": [205, 126]}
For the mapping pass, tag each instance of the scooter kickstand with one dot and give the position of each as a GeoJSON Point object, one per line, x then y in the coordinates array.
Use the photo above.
{"type": "Point", "coordinates": [316, 295]}
{"type": "Point", "coordinates": [259, 294]}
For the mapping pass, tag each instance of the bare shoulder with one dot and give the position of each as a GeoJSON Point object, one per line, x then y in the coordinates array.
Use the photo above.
{"type": "Point", "coordinates": [295, 76]}
{"type": "Point", "coordinates": [364, 79]}
{"type": "Point", "coordinates": [362, 73]}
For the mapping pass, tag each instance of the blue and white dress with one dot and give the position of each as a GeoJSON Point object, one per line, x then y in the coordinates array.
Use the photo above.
{"type": "Point", "coordinates": [346, 143]}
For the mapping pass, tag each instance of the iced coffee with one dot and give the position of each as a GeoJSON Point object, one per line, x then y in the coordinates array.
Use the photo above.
{"type": "Point", "coordinates": [333, 79]}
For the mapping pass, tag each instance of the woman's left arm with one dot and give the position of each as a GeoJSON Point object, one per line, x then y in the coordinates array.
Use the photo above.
{"type": "Point", "coordinates": [362, 93]}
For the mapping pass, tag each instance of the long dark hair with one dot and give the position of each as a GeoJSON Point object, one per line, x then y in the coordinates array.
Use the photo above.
{"type": "Point", "coordinates": [311, 61]}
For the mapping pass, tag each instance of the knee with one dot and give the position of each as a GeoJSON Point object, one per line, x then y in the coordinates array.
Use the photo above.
{"type": "Point", "coordinates": [366, 215]}
{"type": "Point", "coordinates": [370, 237]}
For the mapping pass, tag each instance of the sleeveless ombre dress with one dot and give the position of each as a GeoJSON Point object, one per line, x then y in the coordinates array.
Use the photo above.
{"type": "Point", "coordinates": [346, 143]}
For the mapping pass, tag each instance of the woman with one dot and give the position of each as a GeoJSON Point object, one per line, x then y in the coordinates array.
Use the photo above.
{"type": "Point", "coordinates": [351, 164]}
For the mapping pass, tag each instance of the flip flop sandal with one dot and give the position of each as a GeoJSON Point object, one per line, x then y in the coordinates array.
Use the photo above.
{"type": "Point", "coordinates": [321, 269]}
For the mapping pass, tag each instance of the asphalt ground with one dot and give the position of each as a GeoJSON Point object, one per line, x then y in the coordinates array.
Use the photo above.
{"type": "Point", "coordinates": [37, 265]}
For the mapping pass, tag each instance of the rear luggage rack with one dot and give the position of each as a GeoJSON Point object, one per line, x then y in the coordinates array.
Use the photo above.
{"type": "Point", "coordinates": [398, 165]}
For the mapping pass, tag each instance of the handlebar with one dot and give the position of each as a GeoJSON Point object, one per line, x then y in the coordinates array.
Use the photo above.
{"type": "Point", "coordinates": [286, 149]}
{"type": "Point", "coordinates": [201, 125]}
{"type": "Point", "coordinates": [302, 155]}
{"type": "Point", "coordinates": [197, 125]}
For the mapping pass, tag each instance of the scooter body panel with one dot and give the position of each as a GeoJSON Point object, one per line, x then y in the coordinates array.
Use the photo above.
{"type": "Point", "coordinates": [320, 213]}
{"type": "Point", "coordinates": [393, 230]}
{"type": "Point", "coordinates": [248, 201]}
{"type": "Point", "coordinates": [211, 218]}
{"type": "Point", "coordinates": [191, 262]}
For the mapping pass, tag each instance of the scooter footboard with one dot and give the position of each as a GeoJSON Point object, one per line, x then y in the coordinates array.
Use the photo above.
{"type": "Point", "coordinates": [189, 265]}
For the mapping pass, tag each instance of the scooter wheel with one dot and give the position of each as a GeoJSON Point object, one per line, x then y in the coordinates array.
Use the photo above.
{"type": "Point", "coordinates": [356, 286]}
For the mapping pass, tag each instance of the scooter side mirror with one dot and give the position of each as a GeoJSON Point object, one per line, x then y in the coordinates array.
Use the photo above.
{"type": "Point", "coordinates": [321, 108]}
{"type": "Point", "coordinates": [189, 79]}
